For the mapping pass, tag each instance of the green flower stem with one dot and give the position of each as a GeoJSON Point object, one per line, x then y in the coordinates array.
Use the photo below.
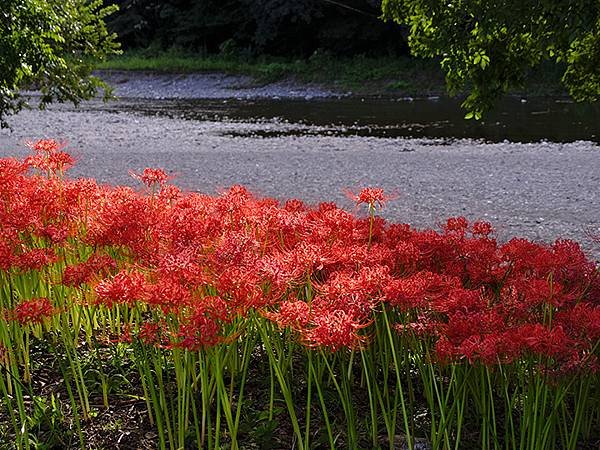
{"type": "Point", "coordinates": [369, 377]}
{"type": "Point", "coordinates": [270, 343]}
{"type": "Point", "coordinates": [409, 440]}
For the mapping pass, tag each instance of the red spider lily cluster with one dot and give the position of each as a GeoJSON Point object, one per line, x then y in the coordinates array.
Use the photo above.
{"type": "Point", "coordinates": [200, 263]}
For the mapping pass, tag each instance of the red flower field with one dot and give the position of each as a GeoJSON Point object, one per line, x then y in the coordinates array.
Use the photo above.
{"type": "Point", "coordinates": [225, 304]}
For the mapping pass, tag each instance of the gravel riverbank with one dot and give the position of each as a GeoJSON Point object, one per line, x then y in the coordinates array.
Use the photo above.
{"type": "Point", "coordinates": [149, 85]}
{"type": "Point", "coordinates": [541, 190]}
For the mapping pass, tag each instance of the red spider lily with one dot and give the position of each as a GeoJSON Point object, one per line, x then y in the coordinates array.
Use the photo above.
{"type": "Point", "coordinates": [48, 157]}
{"type": "Point", "coordinates": [168, 296]}
{"type": "Point", "coordinates": [278, 270]}
{"type": "Point", "coordinates": [11, 170]}
{"type": "Point", "coordinates": [35, 259]}
{"type": "Point", "coordinates": [200, 334]}
{"type": "Point", "coordinates": [460, 301]}
{"type": "Point", "coordinates": [295, 206]}
{"type": "Point", "coordinates": [216, 308]}
{"type": "Point", "coordinates": [169, 193]}
{"type": "Point", "coordinates": [527, 258]}
{"type": "Point", "coordinates": [373, 197]}
{"type": "Point", "coordinates": [458, 225]}
{"type": "Point", "coordinates": [125, 336]}
{"type": "Point", "coordinates": [151, 177]}
{"type": "Point", "coordinates": [481, 263]}
{"type": "Point", "coordinates": [124, 287]}
{"type": "Point", "coordinates": [6, 253]}
{"type": "Point", "coordinates": [481, 228]}
{"type": "Point", "coordinates": [45, 145]}
{"type": "Point", "coordinates": [53, 163]}
{"type": "Point", "coordinates": [237, 249]}
{"type": "Point", "coordinates": [406, 257]}
{"type": "Point", "coordinates": [295, 315]}
{"type": "Point", "coordinates": [198, 330]}
{"type": "Point", "coordinates": [206, 261]}
{"type": "Point", "coordinates": [552, 342]}
{"type": "Point", "coordinates": [582, 321]}
{"type": "Point", "coordinates": [334, 330]}
{"type": "Point", "coordinates": [96, 265]}
{"type": "Point", "coordinates": [150, 333]}
{"type": "Point", "coordinates": [418, 290]}
{"type": "Point", "coordinates": [488, 349]}
{"type": "Point", "coordinates": [183, 266]}
{"type": "Point", "coordinates": [355, 294]}
{"type": "Point", "coordinates": [56, 234]}
{"type": "Point", "coordinates": [33, 311]}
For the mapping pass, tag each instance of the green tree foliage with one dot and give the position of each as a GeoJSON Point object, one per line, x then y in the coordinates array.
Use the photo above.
{"type": "Point", "coordinates": [50, 45]}
{"type": "Point", "coordinates": [486, 47]}
{"type": "Point", "coordinates": [274, 27]}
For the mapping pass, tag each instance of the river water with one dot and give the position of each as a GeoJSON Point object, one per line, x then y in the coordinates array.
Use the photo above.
{"type": "Point", "coordinates": [514, 119]}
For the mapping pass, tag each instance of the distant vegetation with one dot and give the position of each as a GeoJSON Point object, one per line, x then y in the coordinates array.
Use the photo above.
{"type": "Point", "coordinates": [247, 27]}
{"type": "Point", "coordinates": [484, 49]}
{"type": "Point", "coordinates": [488, 48]}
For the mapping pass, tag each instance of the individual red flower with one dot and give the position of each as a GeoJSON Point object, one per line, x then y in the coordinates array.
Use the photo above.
{"type": "Point", "coordinates": [56, 234]}
{"type": "Point", "coordinates": [334, 330]}
{"type": "Point", "coordinates": [481, 228]}
{"type": "Point", "coordinates": [124, 287]}
{"type": "Point", "coordinates": [6, 252]}
{"type": "Point", "coordinates": [460, 300]}
{"type": "Point", "coordinates": [11, 170]}
{"type": "Point", "coordinates": [216, 308]}
{"type": "Point", "coordinates": [581, 321]}
{"type": "Point", "coordinates": [151, 177]}
{"type": "Point", "coordinates": [33, 311]}
{"type": "Point", "coordinates": [295, 206]}
{"type": "Point", "coordinates": [150, 333]}
{"type": "Point", "coordinates": [549, 342]}
{"type": "Point", "coordinates": [291, 314]}
{"type": "Point", "coordinates": [198, 331]}
{"type": "Point", "coordinates": [45, 145]}
{"type": "Point", "coordinates": [370, 196]}
{"type": "Point", "coordinates": [419, 290]}
{"type": "Point", "coordinates": [169, 193]}
{"type": "Point", "coordinates": [125, 336]}
{"type": "Point", "coordinates": [124, 218]}
{"type": "Point", "coordinates": [457, 225]}
{"type": "Point", "coordinates": [168, 295]}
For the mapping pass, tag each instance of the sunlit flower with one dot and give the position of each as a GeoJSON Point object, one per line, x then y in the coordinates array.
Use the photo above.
{"type": "Point", "coordinates": [370, 196]}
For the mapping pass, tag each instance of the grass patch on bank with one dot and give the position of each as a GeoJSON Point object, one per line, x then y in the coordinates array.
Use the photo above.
{"type": "Point", "coordinates": [402, 75]}
{"type": "Point", "coordinates": [357, 73]}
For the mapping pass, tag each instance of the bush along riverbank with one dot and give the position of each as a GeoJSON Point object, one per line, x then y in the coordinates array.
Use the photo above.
{"type": "Point", "coordinates": [172, 320]}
